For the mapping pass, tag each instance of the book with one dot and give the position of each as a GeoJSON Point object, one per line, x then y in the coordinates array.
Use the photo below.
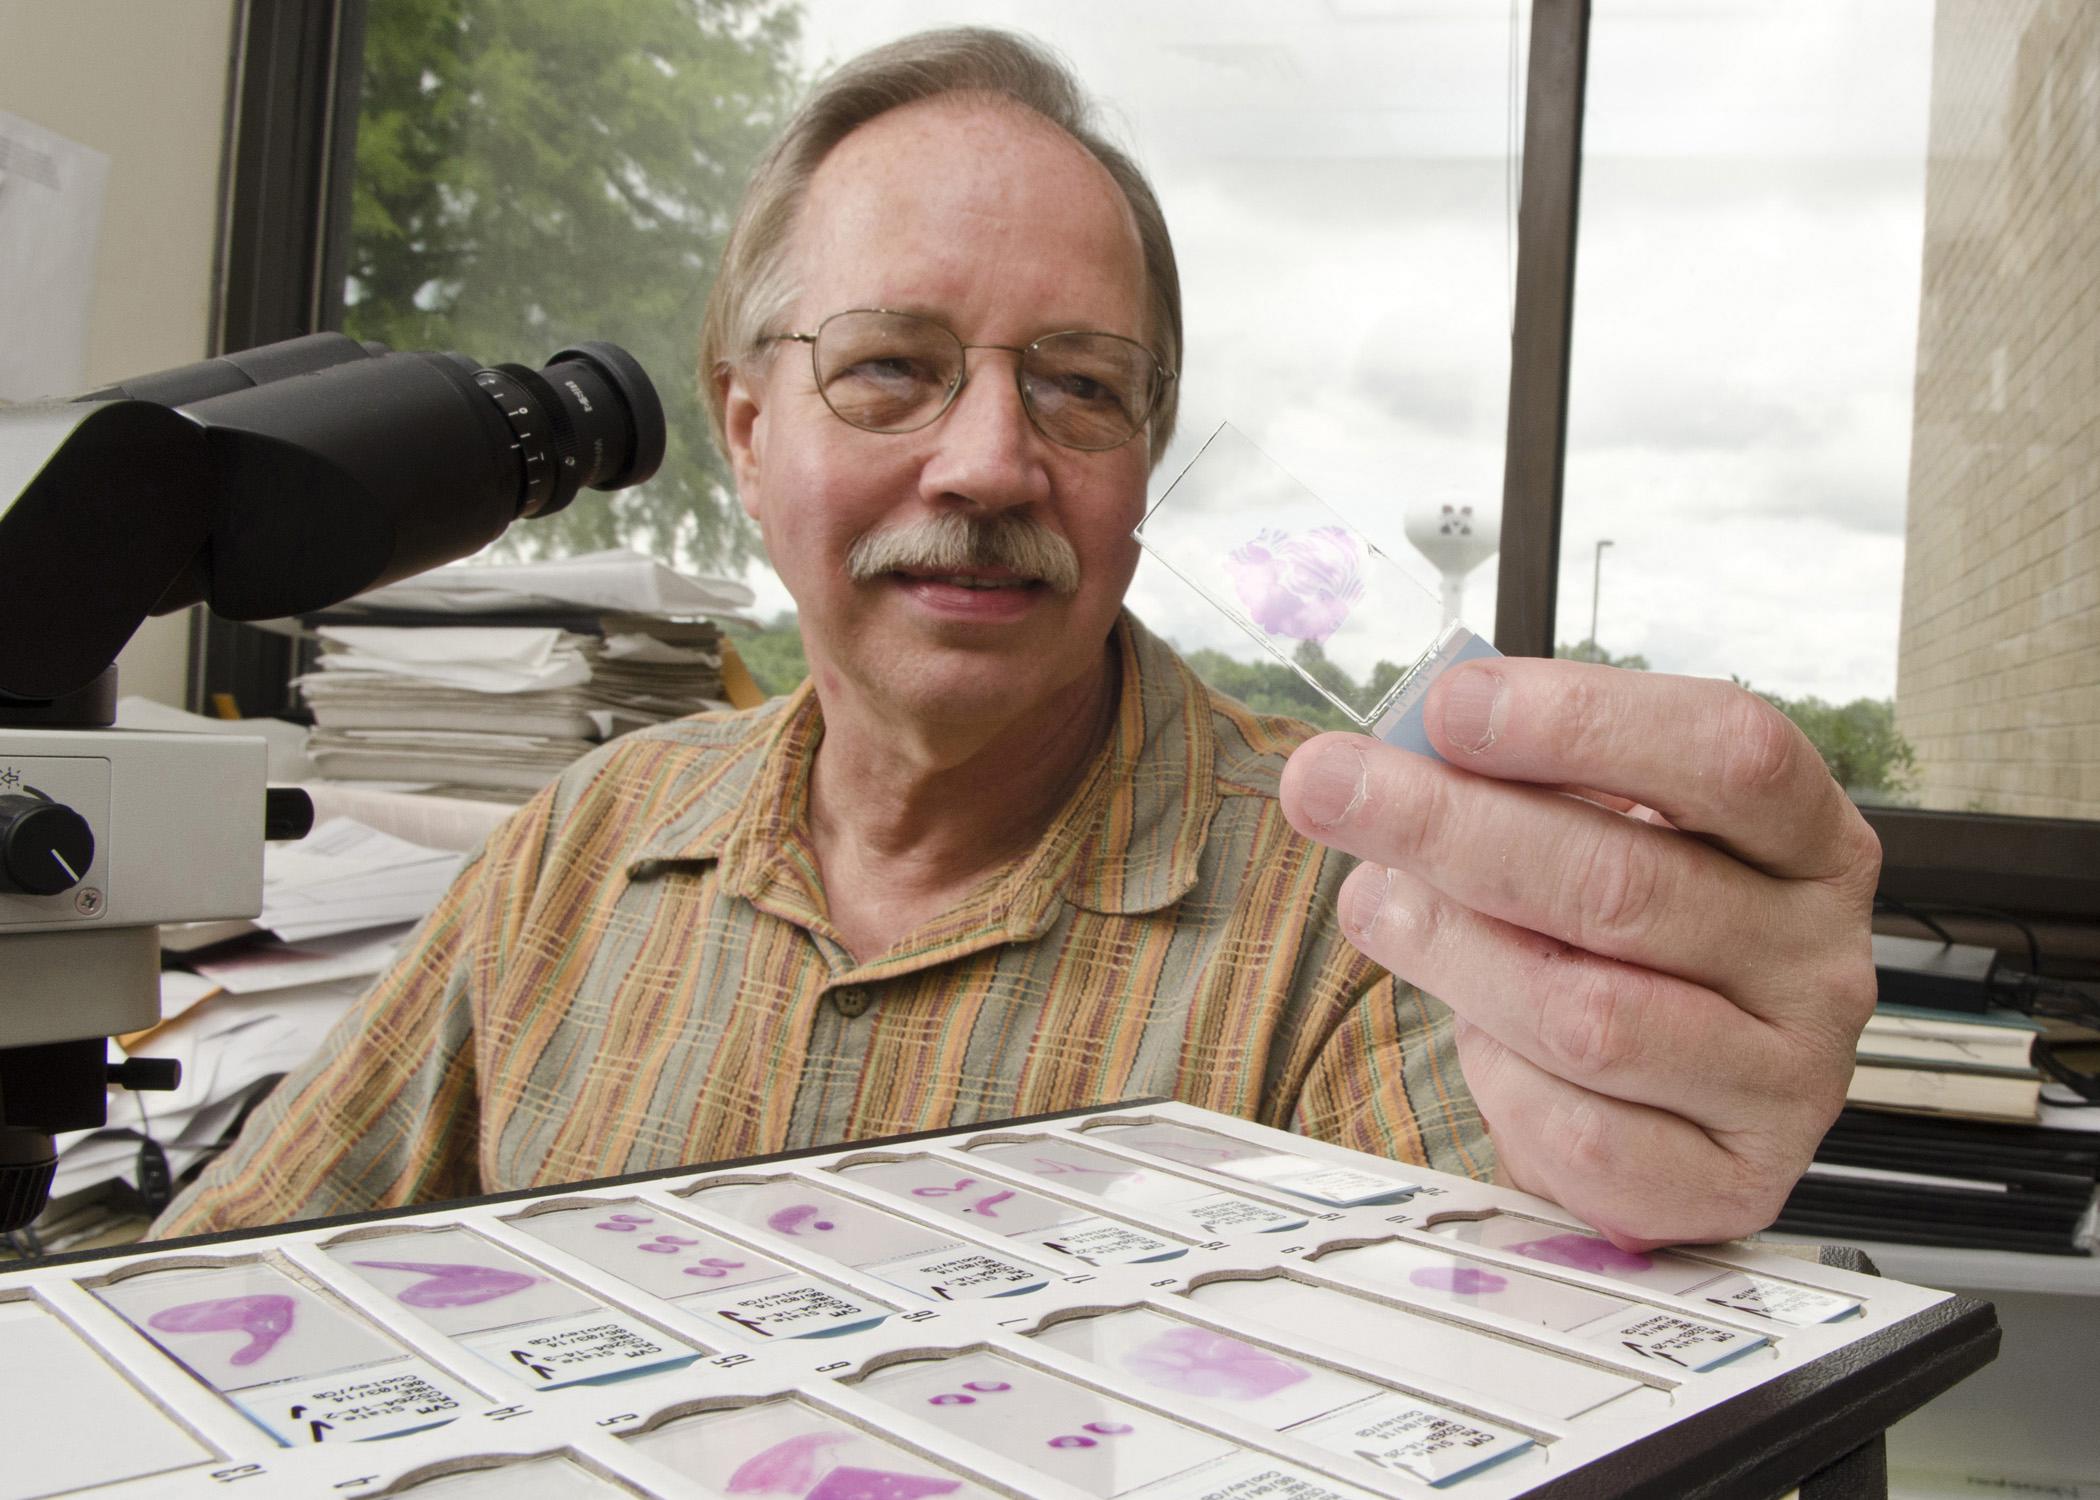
{"type": "Point", "coordinates": [1909, 1033]}
{"type": "Point", "coordinates": [1994, 1093]}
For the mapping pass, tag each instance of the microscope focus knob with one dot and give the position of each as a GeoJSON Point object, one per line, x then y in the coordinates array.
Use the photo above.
{"type": "Point", "coordinates": [45, 846]}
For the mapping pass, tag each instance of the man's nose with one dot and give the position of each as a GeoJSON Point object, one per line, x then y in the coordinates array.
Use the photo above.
{"type": "Point", "coordinates": [986, 450]}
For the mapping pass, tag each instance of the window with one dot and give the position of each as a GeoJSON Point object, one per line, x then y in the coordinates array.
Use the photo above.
{"type": "Point", "coordinates": [1832, 420]}
{"type": "Point", "coordinates": [1338, 181]}
{"type": "Point", "coordinates": [1924, 364]}
{"type": "Point", "coordinates": [529, 175]}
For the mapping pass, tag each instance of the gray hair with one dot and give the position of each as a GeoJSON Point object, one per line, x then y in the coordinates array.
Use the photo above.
{"type": "Point", "coordinates": [754, 286]}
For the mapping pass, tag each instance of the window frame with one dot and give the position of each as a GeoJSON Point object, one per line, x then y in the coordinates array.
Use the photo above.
{"type": "Point", "coordinates": [291, 155]}
{"type": "Point", "coordinates": [284, 217]}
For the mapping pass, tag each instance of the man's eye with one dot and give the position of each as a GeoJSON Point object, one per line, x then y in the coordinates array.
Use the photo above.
{"type": "Point", "coordinates": [1077, 388]}
{"type": "Point", "coordinates": [892, 373]}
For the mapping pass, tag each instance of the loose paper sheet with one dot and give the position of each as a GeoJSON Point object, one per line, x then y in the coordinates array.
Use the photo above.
{"type": "Point", "coordinates": [51, 192]}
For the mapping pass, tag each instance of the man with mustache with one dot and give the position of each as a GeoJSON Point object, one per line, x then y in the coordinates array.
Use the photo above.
{"type": "Point", "coordinates": [1004, 854]}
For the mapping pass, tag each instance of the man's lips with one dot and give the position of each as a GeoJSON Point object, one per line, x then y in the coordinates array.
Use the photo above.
{"type": "Point", "coordinates": [984, 598]}
{"type": "Point", "coordinates": [983, 579]}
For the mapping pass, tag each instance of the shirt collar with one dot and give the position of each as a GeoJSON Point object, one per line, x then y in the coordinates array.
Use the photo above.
{"type": "Point", "coordinates": [1129, 839]}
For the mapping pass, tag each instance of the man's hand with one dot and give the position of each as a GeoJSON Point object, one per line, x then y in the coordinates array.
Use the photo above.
{"type": "Point", "coordinates": [1657, 1010]}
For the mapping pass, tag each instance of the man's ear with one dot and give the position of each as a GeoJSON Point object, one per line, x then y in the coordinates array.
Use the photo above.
{"type": "Point", "coordinates": [743, 428]}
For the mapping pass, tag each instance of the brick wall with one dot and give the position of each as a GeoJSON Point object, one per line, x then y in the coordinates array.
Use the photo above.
{"type": "Point", "coordinates": [1998, 668]}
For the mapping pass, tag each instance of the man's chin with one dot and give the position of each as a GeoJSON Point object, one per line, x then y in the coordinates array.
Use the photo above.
{"type": "Point", "coordinates": [978, 683]}
{"type": "Point", "coordinates": [962, 694]}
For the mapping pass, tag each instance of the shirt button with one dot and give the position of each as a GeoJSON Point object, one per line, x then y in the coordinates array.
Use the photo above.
{"type": "Point", "coordinates": [851, 1001]}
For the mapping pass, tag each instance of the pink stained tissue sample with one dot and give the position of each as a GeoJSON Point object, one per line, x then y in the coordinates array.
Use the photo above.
{"type": "Point", "coordinates": [265, 1319]}
{"type": "Point", "coordinates": [1197, 1362]}
{"type": "Point", "coordinates": [801, 1466]}
{"type": "Point", "coordinates": [1466, 1281]}
{"type": "Point", "coordinates": [1300, 586]}
{"type": "Point", "coordinates": [849, 1483]}
{"type": "Point", "coordinates": [789, 1467]}
{"type": "Point", "coordinates": [1585, 1253]}
{"type": "Point", "coordinates": [797, 1217]}
{"type": "Point", "coordinates": [453, 1285]}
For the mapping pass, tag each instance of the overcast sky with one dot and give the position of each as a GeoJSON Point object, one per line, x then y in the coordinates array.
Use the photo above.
{"type": "Point", "coordinates": [1337, 179]}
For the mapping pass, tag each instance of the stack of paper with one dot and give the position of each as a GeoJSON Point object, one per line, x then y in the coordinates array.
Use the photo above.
{"type": "Point", "coordinates": [336, 906]}
{"type": "Point", "coordinates": [560, 655]}
{"type": "Point", "coordinates": [498, 709]}
{"type": "Point", "coordinates": [617, 581]}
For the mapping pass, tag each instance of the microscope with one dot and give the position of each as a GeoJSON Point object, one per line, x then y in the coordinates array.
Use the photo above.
{"type": "Point", "coordinates": [263, 484]}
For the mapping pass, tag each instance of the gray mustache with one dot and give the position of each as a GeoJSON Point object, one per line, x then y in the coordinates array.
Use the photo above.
{"type": "Point", "coordinates": [954, 542]}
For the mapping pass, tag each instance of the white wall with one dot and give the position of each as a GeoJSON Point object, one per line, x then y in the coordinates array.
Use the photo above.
{"type": "Point", "coordinates": [146, 82]}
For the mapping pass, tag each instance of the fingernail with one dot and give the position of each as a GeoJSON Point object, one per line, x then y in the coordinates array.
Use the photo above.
{"type": "Point", "coordinates": [1362, 900]}
{"type": "Point", "coordinates": [1473, 708]}
{"type": "Point", "coordinates": [1335, 784]}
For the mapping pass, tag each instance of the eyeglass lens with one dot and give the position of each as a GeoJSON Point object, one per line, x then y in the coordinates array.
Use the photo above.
{"type": "Point", "coordinates": [896, 372]}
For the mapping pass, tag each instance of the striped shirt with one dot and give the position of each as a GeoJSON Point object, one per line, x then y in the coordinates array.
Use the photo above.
{"type": "Point", "coordinates": [638, 972]}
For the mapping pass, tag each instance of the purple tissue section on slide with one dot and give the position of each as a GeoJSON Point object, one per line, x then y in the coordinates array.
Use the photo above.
{"type": "Point", "coordinates": [1466, 1281]}
{"type": "Point", "coordinates": [1300, 587]}
{"type": "Point", "coordinates": [1586, 1253]}
{"type": "Point", "coordinates": [1197, 1362]}
{"type": "Point", "coordinates": [790, 1220]}
{"type": "Point", "coordinates": [793, 1466]}
{"type": "Point", "coordinates": [846, 1483]}
{"type": "Point", "coordinates": [789, 1467]}
{"type": "Point", "coordinates": [263, 1317]}
{"type": "Point", "coordinates": [451, 1284]}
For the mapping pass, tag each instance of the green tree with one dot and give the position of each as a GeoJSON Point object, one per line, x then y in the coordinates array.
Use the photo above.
{"type": "Point", "coordinates": [773, 653]}
{"type": "Point", "coordinates": [1857, 740]}
{"type": "Point", "coordinates": [1860, 744]}
{"type": "Point", "coordinates": [1270, 687]}
{"type": "Point", "coordinates": [531, 173]}
{"type": "Point", "coordinates": [1589, 650]}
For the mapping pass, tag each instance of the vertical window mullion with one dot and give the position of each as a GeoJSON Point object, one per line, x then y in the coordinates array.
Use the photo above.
{"type": "Point", "coordinates": [1541, 337]}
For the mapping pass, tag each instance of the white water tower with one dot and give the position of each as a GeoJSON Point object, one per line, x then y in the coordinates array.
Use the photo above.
{"type": "Point", "coordinates": [1457, 537]}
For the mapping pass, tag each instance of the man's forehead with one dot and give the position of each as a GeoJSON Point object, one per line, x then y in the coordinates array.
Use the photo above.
{"type": "Point", "coordinates": [960, 178]}
{"type": "Point", "coordinates": [949, 127]}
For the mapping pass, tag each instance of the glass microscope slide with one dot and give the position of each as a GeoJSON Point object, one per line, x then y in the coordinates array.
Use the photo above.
{"type": "Point", "coordinates": [531, 1325]}
{"type": "Point", "coordinates": [896, 1249]}
{"type": "Point", "coordinates": [295, 1361]}
{"type": "Point", "coordinates": [1680, 1275]}
{"type": "Point", "coordinates": [1343, 1413]}
{"type": "Point", "coordinates": [673, 1258]}
{"type": "Point", "coordinates": [1430, 1353]}
{"type": "Point", "coordinates": [1077, 1169]}
{"type": "Point", "coordinates": [935, 1186]}
{"type": "Point", "coordinates": [1083, 1437]}
{"type": "Point", "coordinates": [788, 1450]}
{"type": "Point", "coordinates": [1425, 1273]}
{"type": "Point", "coordinates": [1300, 1176]}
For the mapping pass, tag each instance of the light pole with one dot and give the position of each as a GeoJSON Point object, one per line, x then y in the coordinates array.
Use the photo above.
{"type": "Point", "coordinates": [1596, 581]}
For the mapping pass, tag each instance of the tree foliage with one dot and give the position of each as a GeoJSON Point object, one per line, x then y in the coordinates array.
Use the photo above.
{"type": "Point", "coordinates": [1860, 744]}
{"type": "Point", "coordinates": [1857, 740]}
{"type": "Point", "coordinates": [1589, 650]}
{"type": "Point", "coordinates": [1270, 687]}
{"type": "Point", "coordinates": [532, 173]}
{"type": "Point", "coordinates": [773, 655]}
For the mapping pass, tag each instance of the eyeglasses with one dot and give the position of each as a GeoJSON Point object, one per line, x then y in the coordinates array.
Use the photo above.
{"type": "Point", "coordinates": [894, 372]}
